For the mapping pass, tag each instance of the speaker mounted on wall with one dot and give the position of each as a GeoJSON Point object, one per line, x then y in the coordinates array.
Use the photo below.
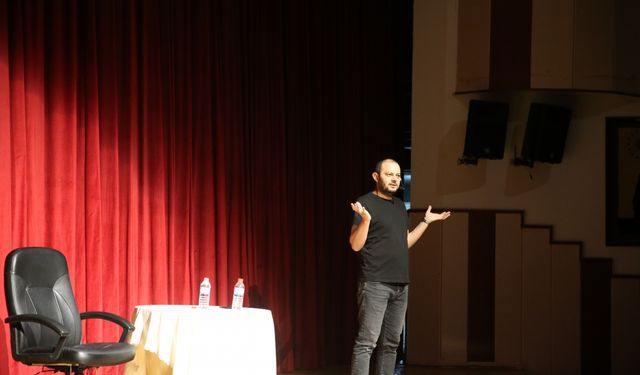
{"type": "Point", "coordinates": [486, 131]}
{"type": "Point", "coordinates": [545, 135]}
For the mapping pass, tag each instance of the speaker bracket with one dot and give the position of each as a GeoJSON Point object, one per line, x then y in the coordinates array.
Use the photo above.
{"type": "Point", "coordinates": [468, 160]}
{"type": "Point", "coordinates": [522, 162]}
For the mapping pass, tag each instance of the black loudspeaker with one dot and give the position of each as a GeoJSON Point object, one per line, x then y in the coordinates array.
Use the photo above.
{"type": "Point", "coordinates": [486, 131]}
{"type": "Point", "coordinates": [546, 133]}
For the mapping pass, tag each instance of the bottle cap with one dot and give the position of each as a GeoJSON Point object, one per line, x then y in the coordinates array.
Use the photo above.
{"type": "Point", "coordinates": [240, 279]}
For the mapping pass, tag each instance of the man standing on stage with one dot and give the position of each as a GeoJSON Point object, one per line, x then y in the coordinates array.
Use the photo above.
{"type": "Point", "coordinates": [380, 234]}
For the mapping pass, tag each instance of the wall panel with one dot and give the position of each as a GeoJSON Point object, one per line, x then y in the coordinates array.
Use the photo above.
{"type": "Point", "coordinates": [565, 309]}
{"type": "Point", "coordinates": [536, 301]}
{"type": "Point", "coordinates": [625, 325]}
{"type": "Point", "coordinates": [454, 289]}
{"type": "Point", "coordinates": [423, 314]}
{"type": "Point", "coordinates": [508, 289]}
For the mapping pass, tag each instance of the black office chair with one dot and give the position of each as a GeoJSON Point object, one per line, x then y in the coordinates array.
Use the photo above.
{"type": "Point", "coordinates": [44, 321]}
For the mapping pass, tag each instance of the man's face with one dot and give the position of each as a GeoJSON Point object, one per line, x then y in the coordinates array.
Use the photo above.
{"type": "Point", "coordinates": [389, 177]}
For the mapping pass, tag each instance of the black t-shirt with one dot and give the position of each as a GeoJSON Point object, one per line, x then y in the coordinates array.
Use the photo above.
{"type": "Point", "coordinates": [385, 255]}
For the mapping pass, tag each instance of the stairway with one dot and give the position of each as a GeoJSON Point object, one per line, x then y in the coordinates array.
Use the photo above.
{"type": "Point", "coordinates": [488, 290]}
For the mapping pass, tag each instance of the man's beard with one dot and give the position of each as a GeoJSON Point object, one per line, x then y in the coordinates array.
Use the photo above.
{"type": "Point", "coordinates": [385, 188]}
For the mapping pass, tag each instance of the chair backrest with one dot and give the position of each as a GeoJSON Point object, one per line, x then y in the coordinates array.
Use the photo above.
{"type": "Point", "coordinates": [36, 281]}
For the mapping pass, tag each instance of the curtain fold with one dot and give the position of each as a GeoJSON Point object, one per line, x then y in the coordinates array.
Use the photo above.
{"type": "Point", "coordinates": [156, 142]}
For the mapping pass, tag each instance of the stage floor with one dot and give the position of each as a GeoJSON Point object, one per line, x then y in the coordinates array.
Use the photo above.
{"type": "Point", "coordinates": [421, 370]}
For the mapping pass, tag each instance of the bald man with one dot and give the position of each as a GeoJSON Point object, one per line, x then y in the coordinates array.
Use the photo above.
{"type": "Point", "coordinates": [381, 237]}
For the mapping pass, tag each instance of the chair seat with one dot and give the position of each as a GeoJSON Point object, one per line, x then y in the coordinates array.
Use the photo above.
{"type": "Point", "coordinates": [93, 354]}
{"type": "Point", "coordinates": [98, 354]}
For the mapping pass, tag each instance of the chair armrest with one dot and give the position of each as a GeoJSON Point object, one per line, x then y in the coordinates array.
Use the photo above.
{"type": "Point", "coordinates": [58, 328]}
{"type": "Point", "coordinates": [126, 325]}
{"type": "Point", "coordinates": [34, 318]}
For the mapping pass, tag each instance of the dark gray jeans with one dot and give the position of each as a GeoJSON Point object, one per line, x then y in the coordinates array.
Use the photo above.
{"type": "Point", "coordinates": [381, 312]}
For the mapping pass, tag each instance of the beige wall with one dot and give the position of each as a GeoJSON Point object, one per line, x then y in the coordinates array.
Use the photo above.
{"type": "Point", "coordinates": [625, 326]}
{"type": "Point", "coordinates": [569, 196]}
{"type": "Point", "coordinates": [536, 310]}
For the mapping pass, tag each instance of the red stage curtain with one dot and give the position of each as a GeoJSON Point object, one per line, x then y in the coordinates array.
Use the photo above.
{"type": "Point", "coordinates": [156, 142]}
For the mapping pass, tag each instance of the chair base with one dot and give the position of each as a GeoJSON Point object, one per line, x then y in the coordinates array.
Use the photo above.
{"type": "Point", "coordinates": [66, 369]}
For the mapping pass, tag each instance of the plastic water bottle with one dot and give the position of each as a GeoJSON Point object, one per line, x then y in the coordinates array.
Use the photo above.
{"type": "Point", "coordinates": [238, 294]}
{"type": "Point", "coordinates": [205, 292]}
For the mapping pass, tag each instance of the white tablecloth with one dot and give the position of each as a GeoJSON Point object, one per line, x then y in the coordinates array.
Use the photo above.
{"type": "Point", "coordinates": [183, 339]}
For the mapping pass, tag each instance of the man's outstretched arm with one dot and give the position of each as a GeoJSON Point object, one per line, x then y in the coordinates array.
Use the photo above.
{"type": "Point", "coordinates": [429, 217]}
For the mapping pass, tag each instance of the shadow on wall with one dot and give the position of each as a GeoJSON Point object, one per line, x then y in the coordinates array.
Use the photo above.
{"type": "Point", "coordinates": [451, 177]}
{"type": "Point", "coordinates": [523, 179]}
{"type": "Point", "coordinates": [454, 178]}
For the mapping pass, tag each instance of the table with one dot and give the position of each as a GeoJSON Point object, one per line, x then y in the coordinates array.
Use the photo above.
{"type": "Point", "coordinates": [185, 339]}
